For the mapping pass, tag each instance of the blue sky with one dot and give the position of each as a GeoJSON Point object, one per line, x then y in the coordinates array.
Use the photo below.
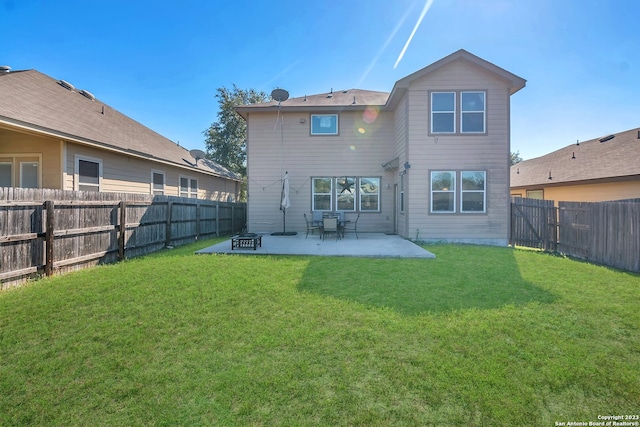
{"type": "Point", "coordinates": [160, 62]}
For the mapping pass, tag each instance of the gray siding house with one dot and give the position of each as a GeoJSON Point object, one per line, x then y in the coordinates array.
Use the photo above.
{"type": "Point", "coordinates": [428, 161]}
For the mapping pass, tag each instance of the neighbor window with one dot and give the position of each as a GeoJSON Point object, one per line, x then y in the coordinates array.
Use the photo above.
{"type": "Point", "coordinates": [369, 194]}
{"type": "Point", "coordinates": [535, 194]}
{"type": "Point", "coordinates": [443, 190]}
{"type": "Point", "coordinates": [473, 192]}
{"type": "Point", "coordinates": [157, 183]}
{"type": "Point", "coordinates": [473, 112]}
{"type": "Point", "coordinates": [88, 173]}
{"type": "Point", "coordinates": [402, 192]}
{"type": "Point", "coordinates": [29, 174]}
{"type": "Point", "coordinates": [443, 112]}
{"type": "Point", "coordinates": [188, 187]}
{"type": "Point", "coordinates": [5, 174]}
{"type": "Point", "coordinates": [322, 194]}
{"type": "Point", "coordinates": [324, 124]}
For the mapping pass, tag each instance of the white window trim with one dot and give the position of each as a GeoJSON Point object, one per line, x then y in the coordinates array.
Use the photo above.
{"type": "Point", "coordinates": [76, 171]}
{"type": "Point", "coordinates": [432, 191]}
{"type": "Point", "coordinates": [313, 193]}
{"type": "Point", "coordinates": [337, 132]}
{"type": "Point", "coordinates": [484, 113]}
{"type": "Point", "coordinates": [164, 183]}
{"type": "Point", "coordinates": [190, 193]}
{"type": "Point", "coordinates": [378, 193]}
{"type": "Point", "coordinates": [483, 191]}
{"type": "Point", "coordinates": [455, 115]}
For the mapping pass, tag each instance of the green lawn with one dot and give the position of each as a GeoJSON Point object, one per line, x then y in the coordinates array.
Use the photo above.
{"type": "Point", "coordinates": [478, 336]}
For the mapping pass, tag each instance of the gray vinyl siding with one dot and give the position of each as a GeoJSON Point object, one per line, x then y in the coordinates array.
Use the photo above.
{"type": "Point", "coordinates": [487, 152]}
{"type": "Point", "coordinates": [272, 151]}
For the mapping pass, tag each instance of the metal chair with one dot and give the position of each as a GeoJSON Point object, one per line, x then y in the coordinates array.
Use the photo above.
{"type": "Point", "coordinates": [310, 226]}
{"type": "Point", "coordinates": [330, 225]}
{"type": "Point", "coordinates": [351, 226]}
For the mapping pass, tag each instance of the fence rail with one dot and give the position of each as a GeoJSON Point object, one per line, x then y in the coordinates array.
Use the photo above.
{"type": "Point", "coordinates": [605, 233]}
{"type": "Point", "coordinates": [52, 231]}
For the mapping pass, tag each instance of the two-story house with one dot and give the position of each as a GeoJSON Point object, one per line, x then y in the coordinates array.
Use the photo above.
{"type": "Point", "coordinates": [428, 161]}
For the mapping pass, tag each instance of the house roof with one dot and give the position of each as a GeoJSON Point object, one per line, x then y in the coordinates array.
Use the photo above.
{"type": "Point", "coordinates": [353, 99]}
{"type": "Point", "coordinates": [358, 99]}
{"type": "Point", "coordinates": [36, 102]}
{"type": "Point", "coordinates": [514, 82]}
{"type": "Point", "coordinates": [596, 159]}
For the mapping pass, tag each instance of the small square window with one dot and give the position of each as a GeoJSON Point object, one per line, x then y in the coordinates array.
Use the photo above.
{"type": "Point", "coordinates": [324, 124]}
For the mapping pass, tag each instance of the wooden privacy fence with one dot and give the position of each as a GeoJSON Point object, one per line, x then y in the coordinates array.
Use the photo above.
{"type": "Point", "coordinates": [605, 233]}
{"type": "Point", "coordinates": [533, 224]}
{"type": "Point", "coordinates": [51, 231]}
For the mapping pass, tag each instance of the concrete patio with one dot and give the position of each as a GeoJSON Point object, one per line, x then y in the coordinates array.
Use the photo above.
{"type": "Point", "coordinates": [376, 245]}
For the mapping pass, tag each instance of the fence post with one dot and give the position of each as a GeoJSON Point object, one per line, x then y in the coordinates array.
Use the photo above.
{"type": "Point", "coordinates": [198, 206]}
{"type": "Point", "coordinates": [123, 229]}
{"type": "Point", "coordinates": [217, 219]}
{"type": "Point", "coordinates": [48, 266]}
{"type": "Point", "coordinates": [168, 232]}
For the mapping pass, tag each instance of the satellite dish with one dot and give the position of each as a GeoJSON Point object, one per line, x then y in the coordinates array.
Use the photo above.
{"type": "Point", "coordinates": [279, 95]}
{"type": "Point", "coordinates": [198, 154]}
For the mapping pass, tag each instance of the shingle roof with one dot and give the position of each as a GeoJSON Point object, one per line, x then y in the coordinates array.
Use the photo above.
{"type": "Point", "coordinates": [591, 160]}
{"type": "Point", "coordinates": [355, 99]}
{"type": "Point", "coordinates": [35, 101]}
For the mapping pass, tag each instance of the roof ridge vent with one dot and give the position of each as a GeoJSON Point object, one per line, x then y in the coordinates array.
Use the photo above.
{"type": "Point", "coordinates": [87, 94]}
{"type": "Point", "coordinates": [607, 138]}
{"type": "Point", "coordinates": [66, 85]}
{"type": "Point", "coordinates": [4, 69]}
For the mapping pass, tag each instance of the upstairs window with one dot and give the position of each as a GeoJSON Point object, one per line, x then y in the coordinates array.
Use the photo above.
{"type": "Point", "coordinates": [463, 112]}
{"type": "Point", "coordinates": [324, 124]}
{"type": "Point", "coordinates": [443, 112]}
{"type": "Point", "coordinates": [473, 112]}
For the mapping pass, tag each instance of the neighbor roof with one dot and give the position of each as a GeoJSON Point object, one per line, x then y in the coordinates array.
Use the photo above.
{"type": "Point", "coordinates": [34, 101]}
{"type": "Point", "coordinates": [596, 159]}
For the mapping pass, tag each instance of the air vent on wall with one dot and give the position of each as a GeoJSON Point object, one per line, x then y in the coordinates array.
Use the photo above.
{"type": "Point", "coordinates": [66, 85]}
{"type": "Point", "coordinates": [87, 94]}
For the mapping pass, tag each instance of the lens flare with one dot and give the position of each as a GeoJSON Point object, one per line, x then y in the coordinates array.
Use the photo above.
{"type": "Point", "coordinates": [370, 115]}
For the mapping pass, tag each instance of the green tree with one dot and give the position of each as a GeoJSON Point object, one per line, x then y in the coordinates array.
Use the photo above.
{"type": "Point", "coordinates": [515, 158]}
{"type": "Point", "coordinates": [226, 139]}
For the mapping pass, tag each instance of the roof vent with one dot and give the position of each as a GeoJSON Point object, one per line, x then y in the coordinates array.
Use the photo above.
{"type": "Point", "coordinates": [607, 138]}
{"type": "Point", "coordinates": [66, 85]}
{"type": "Point", "coordinates": [4, 69]}
{"type": "Point", "coordinates": [330, 94]}
{"type": "Point", "coordinates": [87, 94]}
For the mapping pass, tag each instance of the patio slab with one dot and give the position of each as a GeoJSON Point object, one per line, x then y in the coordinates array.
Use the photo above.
{"type": "Point", "coordinates": [376, 245]}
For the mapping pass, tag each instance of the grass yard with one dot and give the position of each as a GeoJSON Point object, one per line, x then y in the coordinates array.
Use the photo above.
{"type": "Point", "coordinates": [479, 336]}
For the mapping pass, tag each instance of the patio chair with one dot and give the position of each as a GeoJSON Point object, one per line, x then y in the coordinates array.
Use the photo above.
{"type": "Point", "coordinates": [351, 227]}
{"type": "Point", "coordinates": [311, 227]}
{"type": "Point", "coordinates": [330, 225]}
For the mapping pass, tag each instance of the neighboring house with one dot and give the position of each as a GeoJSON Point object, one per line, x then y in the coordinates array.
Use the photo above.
{"type": "Point", "coordinates": [55, 136]}
{"type": "Point", "coordinates": [601, 169]}
{"type": "Point", "coordinates": [428, 161]}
